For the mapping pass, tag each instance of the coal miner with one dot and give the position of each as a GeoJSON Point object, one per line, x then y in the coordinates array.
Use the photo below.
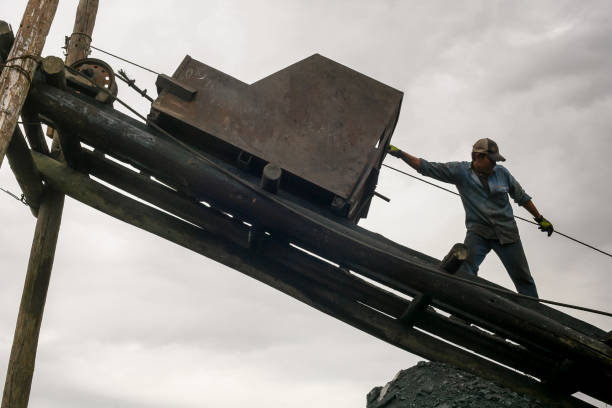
{"type": "Point", "coordinates": [484, 188]}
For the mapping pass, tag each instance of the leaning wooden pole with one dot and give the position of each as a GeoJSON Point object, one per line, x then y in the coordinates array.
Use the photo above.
{"type": "Point", "coordinates": [80, 39]}
{"type": "Point", "coordinates": [23, 353]}
{"type": "Point", "coordinates": [20, 64]}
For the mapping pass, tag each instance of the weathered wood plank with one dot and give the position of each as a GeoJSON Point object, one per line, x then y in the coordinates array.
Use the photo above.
{"type": "Point", "coordinates": [6, 38]}
{"type": "Point", "coordinates": [15, 81]}
{"type": "Point", "coordinates": [25, 171]}
{"type": "Point", "coordinates": [33, 130]}
{"type": "Point", "coordinates": [163, 197]}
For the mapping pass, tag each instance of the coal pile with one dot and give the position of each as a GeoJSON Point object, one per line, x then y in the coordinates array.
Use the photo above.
{"type": "Point", "coordinates": [437, 385]}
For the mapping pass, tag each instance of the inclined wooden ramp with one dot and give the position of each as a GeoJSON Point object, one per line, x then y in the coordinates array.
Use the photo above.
{"type": "Point", "coordinates": [486, 332]}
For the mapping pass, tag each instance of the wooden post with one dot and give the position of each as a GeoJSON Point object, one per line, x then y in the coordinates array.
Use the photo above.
{"type": "Point", "coordinates": [23, 353]}
{"type": "Point", "coordinates": [78, 45]}
{"type": "Point", "coordinates": [21, 62]}
{"type": "Point", "coordinates": [53, 69]}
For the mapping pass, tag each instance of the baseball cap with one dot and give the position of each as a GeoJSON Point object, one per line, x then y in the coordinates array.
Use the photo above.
{"type": "Point", "coordinates": [488, 147]}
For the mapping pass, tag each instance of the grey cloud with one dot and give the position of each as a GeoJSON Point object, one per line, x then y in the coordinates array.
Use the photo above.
{"type": "Point", "coordinates": [570, 55]}
{"type": "Point", "coordinates": [127, 311]}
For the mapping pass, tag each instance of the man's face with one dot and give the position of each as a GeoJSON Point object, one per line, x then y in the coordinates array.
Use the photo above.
{"type": "Point", "coordinates": [483, 164]}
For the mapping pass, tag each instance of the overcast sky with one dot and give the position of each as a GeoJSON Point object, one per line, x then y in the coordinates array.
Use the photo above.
{"type": "Point", "coordinates": [134, 321]}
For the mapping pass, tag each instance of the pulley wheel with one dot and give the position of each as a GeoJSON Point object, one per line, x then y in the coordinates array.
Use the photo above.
{"type": "Point", "coordinates": [100, 73]}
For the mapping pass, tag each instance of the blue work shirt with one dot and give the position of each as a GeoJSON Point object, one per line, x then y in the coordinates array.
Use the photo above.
{"type": "Point", "coordinates": [488, 214]}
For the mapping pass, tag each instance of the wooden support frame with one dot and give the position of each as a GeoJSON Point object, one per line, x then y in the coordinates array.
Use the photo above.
{"type": "Point", "coordinates": [285, 273]}
{"type": "Point", "coordinates": [165, 198]}
{"type": "Point", "coordinates": [196, 175]}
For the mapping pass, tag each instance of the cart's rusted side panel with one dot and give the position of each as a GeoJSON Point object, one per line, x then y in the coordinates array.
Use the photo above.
{"type": "Point", "coordinates": [318, 120]}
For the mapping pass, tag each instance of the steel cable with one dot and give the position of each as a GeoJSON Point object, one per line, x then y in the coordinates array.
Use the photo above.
{"type": "Point", "coordinates": [123, 59]}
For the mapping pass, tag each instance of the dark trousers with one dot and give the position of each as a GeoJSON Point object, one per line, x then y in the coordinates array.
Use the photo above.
{"type": "Point", "coordinates": [512, 256]}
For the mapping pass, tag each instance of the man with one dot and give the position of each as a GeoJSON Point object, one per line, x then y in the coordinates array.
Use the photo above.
{"type": "Point", "coordinates": [484, 188]}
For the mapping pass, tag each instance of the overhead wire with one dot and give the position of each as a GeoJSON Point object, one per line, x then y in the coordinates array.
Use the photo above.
{"type": "Point", "coordinates": [291, 209]}
{"type": "Point", "coordinates": [22, 198]}
{"type": "Point", "coordinates": [125, 60]}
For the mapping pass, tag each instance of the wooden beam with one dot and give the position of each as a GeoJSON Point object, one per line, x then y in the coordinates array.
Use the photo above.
{"type": "Point", "coordinates": [165, 198]}
{"type": "Point", "coordinates": [25, 171]}
{"type": "Point", "coordinates": [33, 130]}
{"type": "Point", "coordinates": [6, 39]}
{"type": "Point", "coordinates": [69, 145]}
{"type": "Point", "coordinates": [22, 60]}
{"type": "Point", "coordinates": [286, 277]}
{"type": "Point", "coordinates": [54, 71]}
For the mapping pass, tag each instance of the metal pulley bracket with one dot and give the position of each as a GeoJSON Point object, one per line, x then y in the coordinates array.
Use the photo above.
{"type": "Point", "coordinates": [94, 71]}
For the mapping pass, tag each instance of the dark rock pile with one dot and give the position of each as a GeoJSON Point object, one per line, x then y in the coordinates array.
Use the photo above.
{"type": "Point", "coordinates": [437, 385]}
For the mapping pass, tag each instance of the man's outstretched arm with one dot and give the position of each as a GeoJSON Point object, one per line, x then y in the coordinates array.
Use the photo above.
{"type": "Point", "coordinates": [445, 172]}
{"type": "Point", "coordinates": [529, 206]}
{"type": "Point", "coordinates": [524, 200]}
{"type": "Point", "coordinates": [412, 161]}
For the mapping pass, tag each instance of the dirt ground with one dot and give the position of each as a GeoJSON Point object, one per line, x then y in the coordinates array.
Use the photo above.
{"type": "Point", "coordinates": [437, 385]}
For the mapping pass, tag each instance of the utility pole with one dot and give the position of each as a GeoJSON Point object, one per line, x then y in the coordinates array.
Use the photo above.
{"type": "Point", "coordinates": [25, 343]}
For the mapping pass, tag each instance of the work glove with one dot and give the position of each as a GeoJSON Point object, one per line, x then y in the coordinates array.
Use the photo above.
{"type": "Point", "coordinates": [394, 151]}
{"type": "Point", "coordinates": [544, 225]}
